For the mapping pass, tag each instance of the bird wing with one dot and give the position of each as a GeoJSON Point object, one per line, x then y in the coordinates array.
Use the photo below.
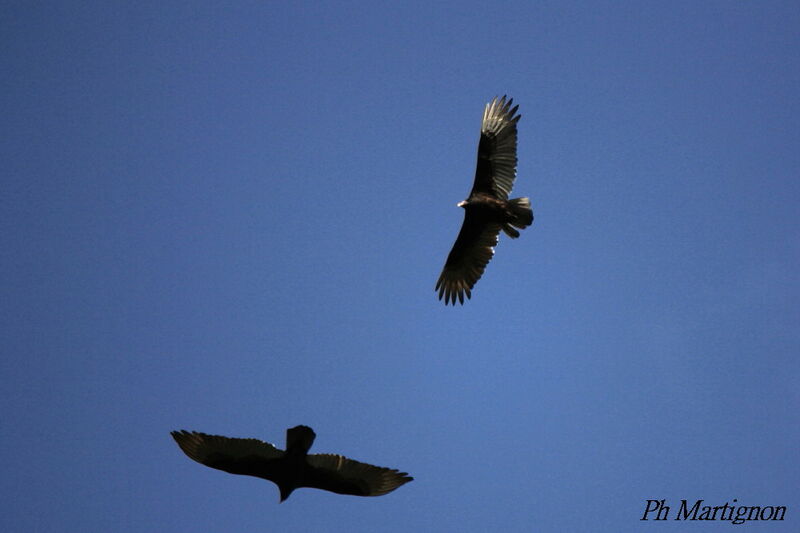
{"type": "Point", "coordinates": [497, 150]}
{"type": "Point", "coordinates": [248, 457]}
{"type": "Point", "coordinates": [341, 475]}
{"type": "Point", "coordinates": [471, 252]}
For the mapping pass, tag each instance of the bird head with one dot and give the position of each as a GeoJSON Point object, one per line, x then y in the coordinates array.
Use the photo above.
{"type": "Point", "coordinates": [285, 491]}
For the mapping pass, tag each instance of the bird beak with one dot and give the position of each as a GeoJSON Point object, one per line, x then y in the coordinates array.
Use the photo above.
{"type": "Point", "coordinates": [462, 203]}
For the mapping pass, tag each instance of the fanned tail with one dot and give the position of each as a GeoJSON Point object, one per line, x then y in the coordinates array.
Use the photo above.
{"type": "Point", "coordinates": [299, 439]}
{"type": "Point", "coordinates": [520, 216]}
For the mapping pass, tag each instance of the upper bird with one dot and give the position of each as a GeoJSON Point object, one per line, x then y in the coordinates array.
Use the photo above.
{"type": "Point", "coordinates": [290, 469]}
{"type": "Point", "coordinates": [487, 209]}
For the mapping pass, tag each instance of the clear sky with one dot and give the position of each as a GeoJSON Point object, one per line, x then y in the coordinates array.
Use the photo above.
{"type": "Point", "coordinates": [231, 220]}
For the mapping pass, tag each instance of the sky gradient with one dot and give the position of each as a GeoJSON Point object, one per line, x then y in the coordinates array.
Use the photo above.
{"type": "Point", "coordinates": [231, 220]}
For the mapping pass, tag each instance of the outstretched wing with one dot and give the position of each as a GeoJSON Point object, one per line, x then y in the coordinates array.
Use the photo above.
{"type": "Point", "coordinates": [471, 252]}
{"type": "Point", "coordinates": [341, 475]}
{"type": "Point", "coordinates": [248, 457]}
{"type": "Point", "coordinates": [497, 150]}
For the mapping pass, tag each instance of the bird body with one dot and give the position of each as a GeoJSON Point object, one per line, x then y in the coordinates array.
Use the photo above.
{"type": "Point", "coordinates": [506, 213]}
{"type": "Point", "coordinates": [290, 469]}
{"type": "Point", "coordinates": [487, 210]}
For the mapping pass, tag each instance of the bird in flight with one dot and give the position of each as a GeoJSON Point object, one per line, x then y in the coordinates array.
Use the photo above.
{"type": "Point", "coordinates": [290, 469]}
{"type": "Point", "coordinates": [487, 210]}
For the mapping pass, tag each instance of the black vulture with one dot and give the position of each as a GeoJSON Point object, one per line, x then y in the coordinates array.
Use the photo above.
{"type": "Point", "coordinates": [290, 469]}
{"type": "Point", "coordinates": [487, 210]}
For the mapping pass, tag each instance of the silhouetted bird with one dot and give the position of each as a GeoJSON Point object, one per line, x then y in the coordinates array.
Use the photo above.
{"type": "Point", "coordinates": [488, 209]}
{"type": "Point", "coordinates": [293, 468]}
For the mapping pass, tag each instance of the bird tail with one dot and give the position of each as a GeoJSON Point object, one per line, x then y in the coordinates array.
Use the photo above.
{"type": "Point", "coordinates": [521, 216]}
{"type": "Point", "coordinates": [299, 439]}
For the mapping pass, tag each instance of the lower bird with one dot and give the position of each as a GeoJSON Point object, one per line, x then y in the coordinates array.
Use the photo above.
{"type": "Point", "coordinates": [290, 469]}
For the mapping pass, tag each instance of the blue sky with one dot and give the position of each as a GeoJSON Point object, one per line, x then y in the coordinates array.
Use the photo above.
{"type": "Point", "coordinates": [231, 220]}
